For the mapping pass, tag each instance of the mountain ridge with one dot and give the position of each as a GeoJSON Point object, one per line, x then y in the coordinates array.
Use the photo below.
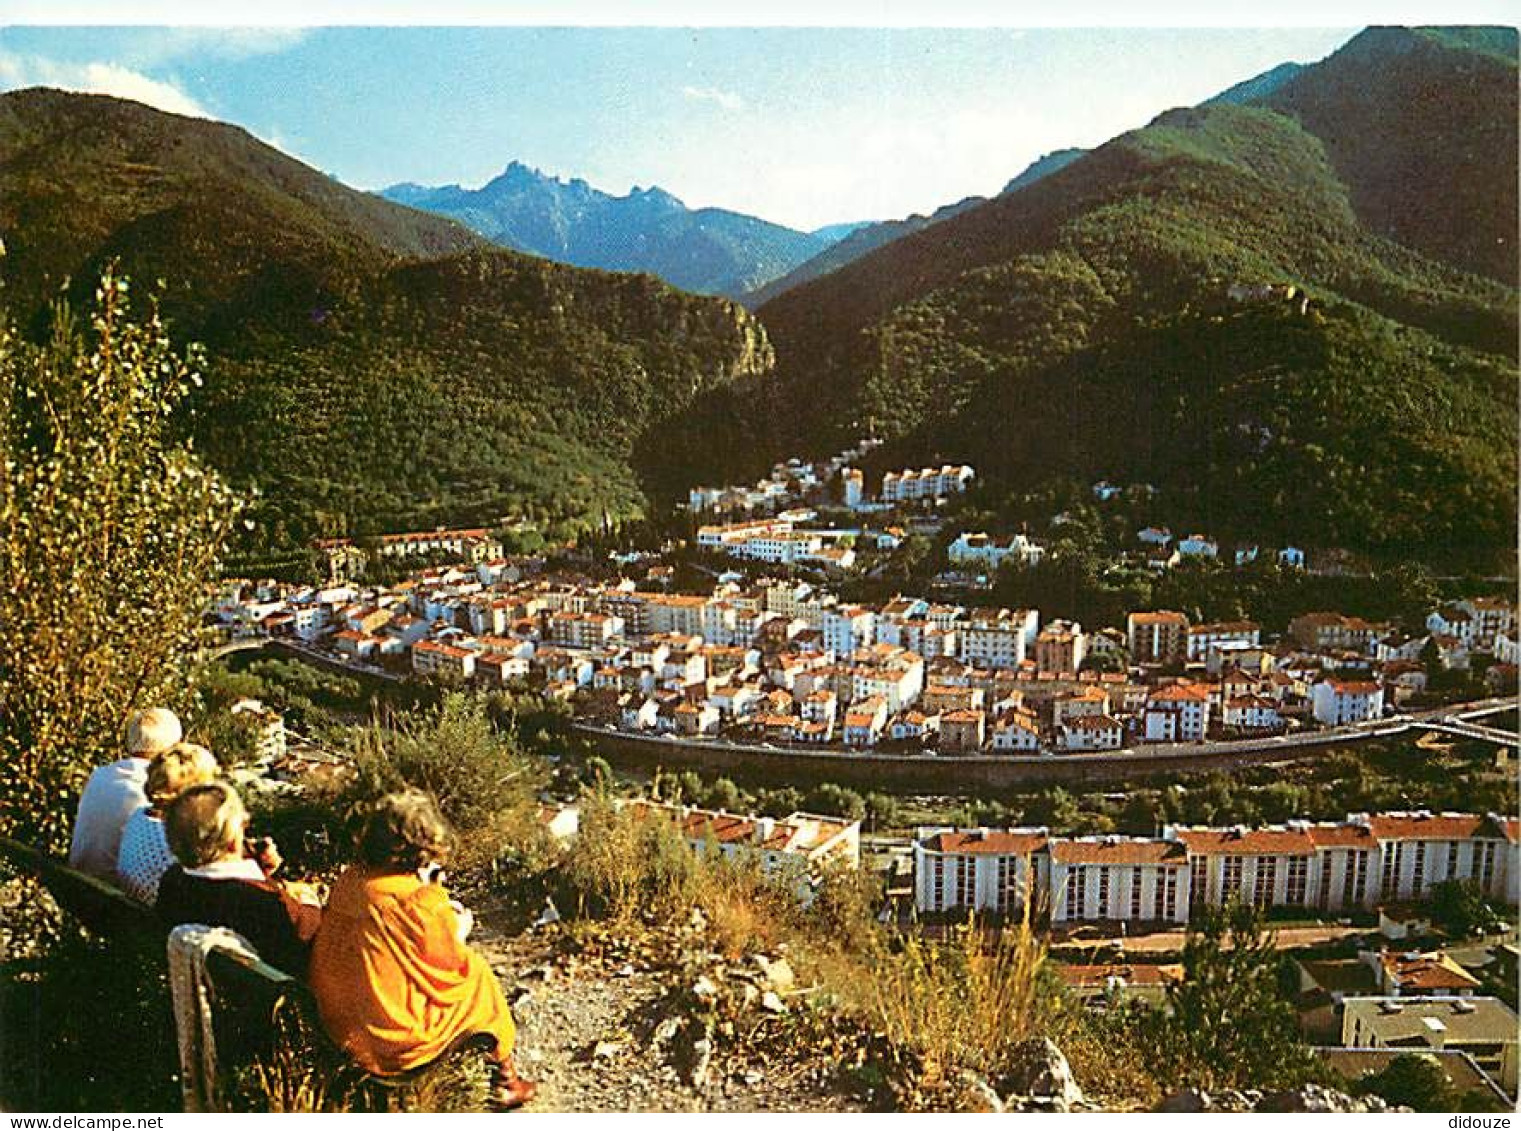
{"type": "Point", "coordinates": [1012, 306]}
{"type": "Point", "coordinates": [370, 367]}
{"type": "Point", "coordinates": [704, 250]}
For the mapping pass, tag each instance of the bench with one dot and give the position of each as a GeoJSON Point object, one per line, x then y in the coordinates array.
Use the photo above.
{"type": "Point", "coordinates": [259, 1005]}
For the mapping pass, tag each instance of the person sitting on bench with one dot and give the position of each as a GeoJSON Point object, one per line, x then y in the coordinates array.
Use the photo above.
{"type": "Point", "coordinates": [115, 791]}
{"type": "Point", "coordinates": [145, 856]}
{"type": "Point", "coordinates": [223, 881]}
{"type": "Point", "coordinates": [394, 981]}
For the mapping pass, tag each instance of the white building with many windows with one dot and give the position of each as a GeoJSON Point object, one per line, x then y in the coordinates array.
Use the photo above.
{"type": "Point", "coordinates": [1339, 702]}
{"type": "Point", "coordinates": [1363, 862]}
{"type": "Point", "coordinates": [980, 870]}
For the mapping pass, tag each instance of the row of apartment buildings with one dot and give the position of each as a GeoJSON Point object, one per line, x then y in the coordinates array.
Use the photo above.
{"type": "Point", "coordinates": [1362, 862]}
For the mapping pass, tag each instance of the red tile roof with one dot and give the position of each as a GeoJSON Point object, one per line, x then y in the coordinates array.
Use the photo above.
{"type": "Point", "coordinates": [1232, 842]}
{"type": "Point", "coordinates": [1433, 826]}
{"type": "Point", "coordinates": [993, 842]}
{"type": "Point", "coordinates": [1117, 850]}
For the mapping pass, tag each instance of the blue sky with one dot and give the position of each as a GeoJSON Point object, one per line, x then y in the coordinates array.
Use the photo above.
{"type": "Point", "coordinates": [803, 126]}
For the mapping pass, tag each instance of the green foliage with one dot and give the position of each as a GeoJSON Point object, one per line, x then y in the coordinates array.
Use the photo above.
{"type": "Point", "coordinates": [1091, 309]}
{"type": "Point", "coordinates": [485, 786]}
{"type": "Point", "coordinates": [834, 800]}
{"type": "Point", "coordinates": [110, 536]}
{"type": "Point", "coordinates": [723, 794]}
{"type": "Point", "coordinates": [882, 810]}
{"type": "Point", "coordinates": [59, 1056]}
{"type": "Point", "coordinates": [1411, 1080]}
{"type": "Point", "coordinates": [1228, 1026]}
{"type": "Point", "coordinates": [1460, 909]}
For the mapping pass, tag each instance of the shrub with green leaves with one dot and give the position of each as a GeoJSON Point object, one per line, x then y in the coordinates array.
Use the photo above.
{"type": "Point", "coordinates": [111, 531]}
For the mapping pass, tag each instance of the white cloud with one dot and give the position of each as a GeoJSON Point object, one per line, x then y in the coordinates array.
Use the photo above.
{"type": "Point", "coordinates": [17, 71]}
{"type": "Point", "coordinates": [151, 47]}
{"type": "Point", "coordinates": [721, 98]}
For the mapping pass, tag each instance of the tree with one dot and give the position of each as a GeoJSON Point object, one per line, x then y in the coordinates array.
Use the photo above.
{"type": "Point", "coordinates": [834, 800]}
{"type": "Point", "coordinates": [111, 533]}
{"type": "Point", "coordinates": [1228, 1025]}
{"type": "Point", "coordinates": [1460, 908]}
{"type": "Point", "coordinates": [1411, 1080]}
{"type": "Point", "coordinates": [882, 810]}
{"type": "Point", "coordinates": [723, 794]}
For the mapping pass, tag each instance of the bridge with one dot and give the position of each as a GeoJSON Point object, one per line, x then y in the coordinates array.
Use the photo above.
{"type": "Point", "coordinates": [1464, 729]}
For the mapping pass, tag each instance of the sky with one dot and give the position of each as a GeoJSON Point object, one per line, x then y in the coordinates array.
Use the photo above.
{"type": "Point", "coordinates": [801, 126]}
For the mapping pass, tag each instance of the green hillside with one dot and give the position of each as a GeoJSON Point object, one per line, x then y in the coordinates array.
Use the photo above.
{"type": "Point", "coordinates": [1422, 128]}
{"type": "Point", "coordinates": [1082, 326]}
{"type": "Point", "coordinates": [369, 366]}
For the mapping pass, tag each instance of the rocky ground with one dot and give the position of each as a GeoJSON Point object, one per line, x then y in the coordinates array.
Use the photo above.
{"type": "Point", "coordinates": [606, 1024]}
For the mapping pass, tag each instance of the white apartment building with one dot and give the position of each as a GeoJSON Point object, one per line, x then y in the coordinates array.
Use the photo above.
{"type": "Point", "coordinates": [1177, 713]}
{"type": "Point", "coordinates": [1115, 878]}
{"type": "Point", "coordinates": [1336, 702]}
{"type": "Point", "coordinates": [997, 638]}
{"type": "Point", "coordinates": [997, 870]}
{"type": "Point", "coordinates": [1201, 637]}
{"type": "Point", "coordinates": [1364, 861]}
{"type": "Point", "coordinates": [848, 628]}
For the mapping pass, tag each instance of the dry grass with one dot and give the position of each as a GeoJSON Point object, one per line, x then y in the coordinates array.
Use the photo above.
{"type": "Point", "coordinates": [962, 1002]}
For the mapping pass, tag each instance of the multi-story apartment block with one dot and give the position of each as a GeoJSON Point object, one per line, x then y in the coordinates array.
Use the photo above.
{"type": "Point", "coordinates": [998, 638]}
{"type": "Point", "coordinates": [1157, 638]}
{"type": "Point", "coordinates": [998, 870]}
{"type": "Point", "coordinates": [1201, 637]}
{"type": "Point", "coordinates": [1178, 712]}
{"type": "Point", "coordinates": [1492, 616]}
{"type": "Point", "coordinates": [1111, 878]}
{"type": "Point", "coordinates": [583, 630]}
{"type": "Point", "coordinates": [1362, 862]}
{"type": "Point", "coordinates": [848, 628]}
{"type": "Point", "coordinates": [1061, 648]}
{"type": "Point", "coordinates": [1339, 702]}
{"type": "Point", "coordinates": [926, 483]}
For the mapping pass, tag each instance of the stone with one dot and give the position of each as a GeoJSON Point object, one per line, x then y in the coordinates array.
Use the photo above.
{"type": "Point", "coordinates": [1189, 1101]}
{"type": "Point", "coordinates": [777, 973]}
{"type": "Point", "coordinates": [772, 1003]}
{"type": "Point", "coordinates": [626, 970]}
{"type": "Point", "coordinates": [752, 1077]}
{"type": "Point", "coordinates": [1315, 1098]}
{"type": "Point", "coordinates": [704, 990]}
{"type": "Point", "coordinates": [702, 1063]}
{"type": "Point", "coordinates": [606, 1050]}
{"type": "Point", "coordinates": [975, 1094]}
{"type": "Point", "coordinates": [1039, 1069]}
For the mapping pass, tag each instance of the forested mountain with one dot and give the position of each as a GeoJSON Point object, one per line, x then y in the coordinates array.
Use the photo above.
{"type": "Point", "coordinates": [1421, 128]}
{"type": "Point", "coordinates": [369, 367]}
{"type": "Point", "coordinates": [1081, 325]}
{"type": "Point", "coordinates": [865, 238]}
{"type": "Point", "coordinates": [709, 251]}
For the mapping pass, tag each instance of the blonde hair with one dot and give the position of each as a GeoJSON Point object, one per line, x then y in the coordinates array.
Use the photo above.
{"type": "Point", "coordinates": [153, 731]}
{"type": "Point", "coordinates": [203, 823]}
{"type": "Point", "coordinates": [177, 769]}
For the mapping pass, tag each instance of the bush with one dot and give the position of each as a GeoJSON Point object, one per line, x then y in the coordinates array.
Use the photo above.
{"type": "Point", "coordinates": [963, 1002]}
{"type": "Point", "coordinates": [484, 784]}
{"type": "Point", "coordinates": [111, 532]}
{"type": "Point", "coordinates": [1228, 1025]}
{"type": "Point", "coordinates": [1413, 1081]}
